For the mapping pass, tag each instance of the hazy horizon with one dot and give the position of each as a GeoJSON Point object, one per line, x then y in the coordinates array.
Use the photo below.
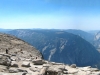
{"type": "Point", "coordinates": [50, 14]}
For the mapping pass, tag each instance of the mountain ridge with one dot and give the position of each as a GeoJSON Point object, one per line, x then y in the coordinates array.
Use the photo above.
{"type": "Point", "coordinates": [60, 46]}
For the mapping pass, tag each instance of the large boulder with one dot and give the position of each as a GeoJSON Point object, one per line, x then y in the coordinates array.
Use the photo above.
{"type": "Point", "coordinates": [14, 64]}
{"type": "Point", "coordinates": [25, 64]}
{"type": "Point", "coordinates": [38, 61]}
{"type": "Point", "coordinates": [5, 60]}
{"type": "Point", "coordinates": [73, 65]}
{"type": "Point", "coordinates": [34, 69]}
{"type": "Point", "coordinates": [13, 70]}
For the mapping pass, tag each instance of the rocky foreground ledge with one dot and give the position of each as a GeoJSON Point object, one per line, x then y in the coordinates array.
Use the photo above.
{"type": "Point", "coordinates": [14, 65]}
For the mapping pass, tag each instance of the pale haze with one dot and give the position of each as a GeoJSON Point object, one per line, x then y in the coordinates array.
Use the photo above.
{"type": "Point", "coordinates": [50, 14]}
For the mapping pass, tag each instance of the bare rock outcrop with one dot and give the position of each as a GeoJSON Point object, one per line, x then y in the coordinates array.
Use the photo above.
{"type": "Point", "coordinates": [17, 47]}
{"type": "Point", "coordinates": [28, 67]}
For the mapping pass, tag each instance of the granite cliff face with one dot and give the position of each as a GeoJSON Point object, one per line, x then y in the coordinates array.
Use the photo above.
{"type": "Point", "coordinates": [85, 35]}
{"type": "Point", "coordinates": [93, 37]}
{"type": "Point", "coordinates": [60, 46]}
{"type": "Point", "coordinates": [97, 41]}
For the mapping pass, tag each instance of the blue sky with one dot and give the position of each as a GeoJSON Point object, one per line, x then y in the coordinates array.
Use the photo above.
{"type": "Point", "coordinates": [56, 14]}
